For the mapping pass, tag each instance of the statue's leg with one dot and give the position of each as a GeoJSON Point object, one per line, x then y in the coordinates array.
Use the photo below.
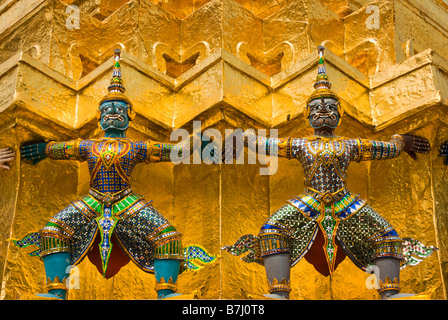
{"type": "Point", "coordinates": [56, 267]}
{"type": "Point", "coordinates": [166, 242]}
{"type": "Point", "coordinates": [389, 271]}
{"type": "Point", "coordinates": [389, 275]}
{"type": "Point", "coordinates": [278, 271]}
{"type": "Point", "coordinates": [387, 257]}
{"type": "Point", "coordinates": [55, 251]}
{"type": "Point", "coordinates": [152, 241]}
{"type": "Point", "coordinates": [369, 238]}
{"type": "Point", "coordinates": [166, 269]}
{"type": "Point", "coordinates": [278, 247]}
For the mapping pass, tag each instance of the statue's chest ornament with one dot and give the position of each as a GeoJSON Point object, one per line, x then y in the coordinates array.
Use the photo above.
{"type": "Point", "coordinates": [325, 152]}
{"type": "Point", "coordinates": [109, 151]}
{"type": "Point", "coordinates": [326, 156]}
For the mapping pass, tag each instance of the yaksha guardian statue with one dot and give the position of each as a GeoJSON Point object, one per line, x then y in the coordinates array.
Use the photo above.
{"type": "Point", "coordinates": [327, 222]}
{"type": "Point", "coordinates": [111, 224]}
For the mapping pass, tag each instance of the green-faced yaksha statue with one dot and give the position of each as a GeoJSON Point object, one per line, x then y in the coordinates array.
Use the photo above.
{"type": "Point", "coordinates": [112, 225]}
{"type": "Point", "coordinates": [327, 222]}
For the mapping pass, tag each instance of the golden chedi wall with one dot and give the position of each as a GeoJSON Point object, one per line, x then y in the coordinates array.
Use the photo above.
{"type": "Point", "coordinates": [229, 64]}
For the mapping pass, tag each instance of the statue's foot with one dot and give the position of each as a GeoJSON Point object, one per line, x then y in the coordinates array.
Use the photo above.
{"type": "Point", "coordinates": [171, 296]}
{"type": "Point", "coordinates": [181, 296]}
{"type": "Point", "coordinates": [409, 296]}
{"type": "Point", "coordinates": [273, 296]}
{"type": "Point", "coordinates": [258, 296]}
{"type": "Point", "coordinates": [49, 296]}
{"type": "Point", "coordinates": [39, 296]}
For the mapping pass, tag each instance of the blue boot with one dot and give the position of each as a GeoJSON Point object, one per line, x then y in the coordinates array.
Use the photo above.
{"type": "Point", "coordinates": [166, 272]}
{"type": "Point", "coordinates": [56, 266]}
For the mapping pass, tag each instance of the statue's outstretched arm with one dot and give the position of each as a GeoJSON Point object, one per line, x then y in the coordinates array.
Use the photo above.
{"type": "Point", "coordinates": [157, 151]}
{"type": "Point", "coordinates": [6, 155]}
{"type": "Point", "coordinates": [281, 147]}
{"type": "Point", "coordinates": [67, 150]}
{"type": "Point", "coordinates": [381, 150]}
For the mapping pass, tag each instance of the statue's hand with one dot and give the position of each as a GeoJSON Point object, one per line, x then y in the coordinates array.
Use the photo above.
{"type": "Point", "coordinates": [33, 152]}
{"type": "Point", "coordinates": [228, 149]}
{"type": "Point", "coordinates": [232, 148]}
{"type": "Point", "coordinates": [415, 144]}
{"type": "Point", "coordinates": [443, 151]}
{"type": "Point", "coordinates": [6, 155]}
{"type": "Point", "coordinates": [210, 148]}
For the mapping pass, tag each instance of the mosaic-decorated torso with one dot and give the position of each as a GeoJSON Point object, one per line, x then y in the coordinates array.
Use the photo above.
{"type": "Point", "coordinates": [111, 162]}
{"type": "Point", "coordinates": [325, 162]}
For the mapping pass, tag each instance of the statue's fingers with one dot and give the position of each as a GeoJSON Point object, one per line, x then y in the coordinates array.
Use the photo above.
{"type": "Point", "coordinates": [7, 155]}
{"type": "Point", "coordinates": [29, 153]}
{"type": "Point", "coordinates": [36, 157]}
{"type": "Point", "coordinates": [34, 146]}
{"type": "Point", "coordinates": [422, 142]}
{"type": "Point", "coordinates": [6, 159]}
{"type": "Point", "coordinates": [425, 149]}
{"type": "Point", "coordinates": [27, 147]}
{"type": "Point", "coordinates": [5, 166]}
{"type": "Point", "coordinates": [419, 150]}
{"type": "Point", "coordinates": [28, 156]}
{"type": "Point", "coordinates": [6, 150]}
{"type": "Point", "coordinates": [421, 147]}
{"type": "Point", "coordinates": [419, 138]}
{"type": "Point", "coordinates": [24, 151]}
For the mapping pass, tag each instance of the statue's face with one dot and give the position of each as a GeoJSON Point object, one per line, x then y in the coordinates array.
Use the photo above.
{"type": "Point", "coordinates": [114, 115]}
{"type": "Point", "coordinates": [324, 113]}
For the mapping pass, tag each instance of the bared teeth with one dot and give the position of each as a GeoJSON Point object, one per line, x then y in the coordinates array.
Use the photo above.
{"type": "Point", "coordinates": [113, 117]}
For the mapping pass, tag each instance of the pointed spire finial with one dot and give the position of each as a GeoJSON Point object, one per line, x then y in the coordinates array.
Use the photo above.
{"type": "Point", "coordinates": [322, 81]}
{"type": "Point", "coordinates": [322, 85]}
{"type": "Point", "coordinates": [116, 83]}
{"type": "Point", "coordinates": [116, 87]}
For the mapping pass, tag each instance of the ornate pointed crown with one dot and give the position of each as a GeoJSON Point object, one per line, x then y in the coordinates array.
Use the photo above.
{"type": "Point", "coordinates": [116, 87]}
{"type": "Point", "coordinates": [322, 85]}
